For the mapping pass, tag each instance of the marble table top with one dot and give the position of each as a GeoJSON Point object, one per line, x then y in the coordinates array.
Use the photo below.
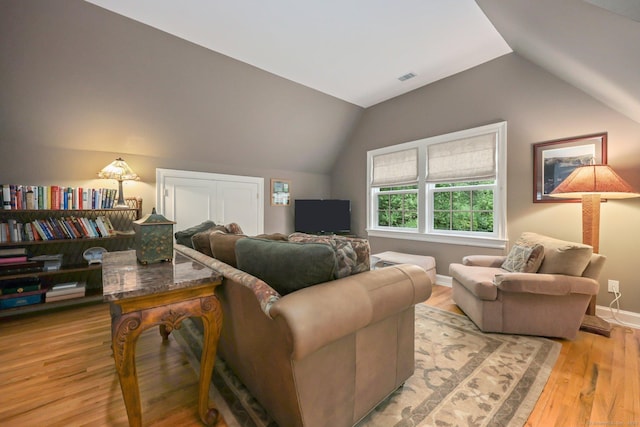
{"type": "Point", "coordinates": [124, 277]}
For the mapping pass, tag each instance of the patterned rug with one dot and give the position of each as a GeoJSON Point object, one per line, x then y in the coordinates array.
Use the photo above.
{"type": "Point", "coordinates": [463, 377]}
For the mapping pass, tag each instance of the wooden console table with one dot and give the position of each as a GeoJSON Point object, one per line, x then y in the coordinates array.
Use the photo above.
{"type": "Point", "coordinates": [163, 294]}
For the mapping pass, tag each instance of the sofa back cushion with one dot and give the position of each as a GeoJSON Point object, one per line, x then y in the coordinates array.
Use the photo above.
{"type": "Point", "coordinates": [183, 237]}
{"type": "Point", "coordinates": [560, 256]}
{"type": "Point", "coordinates": [286, 266]}
{"type": "Point", "coordinates": [352, 254]}
{"type": "Point", "coordinates": [223, 247]}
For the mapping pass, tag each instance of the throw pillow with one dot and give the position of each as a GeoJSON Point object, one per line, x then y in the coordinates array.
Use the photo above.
{"type": "Point", "coordinates": [286, 266]}
{"type": "Point", "coordinates": [234, 228]}
{"type": "Point", "coordinates": [184, 237]}
{"type": "Point", "coordinates": [524, 259]}
{"type": "Point", "coordinates": [560, 256]}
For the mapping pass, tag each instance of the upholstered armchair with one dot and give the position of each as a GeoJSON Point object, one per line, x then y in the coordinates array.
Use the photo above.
{"type": "Point", "coordinates": [543, 287]}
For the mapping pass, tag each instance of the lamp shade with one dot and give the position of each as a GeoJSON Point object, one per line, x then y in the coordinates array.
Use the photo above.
{"type": "Point", "coordinates": [118, 170]}
{"type": "Point", "coordinates": [594, 179]}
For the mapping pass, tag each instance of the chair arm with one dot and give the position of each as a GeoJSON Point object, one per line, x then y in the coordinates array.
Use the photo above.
{"type": "Point", "coordinates": [323, 313]}
{"type": "Point", "coordinates": [546, 284]}
{"type": "Point", "coordinates": [484, 260]}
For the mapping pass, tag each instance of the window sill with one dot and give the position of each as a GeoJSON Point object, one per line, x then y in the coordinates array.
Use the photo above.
{"type": "Point", "coordinates": [483, 242]}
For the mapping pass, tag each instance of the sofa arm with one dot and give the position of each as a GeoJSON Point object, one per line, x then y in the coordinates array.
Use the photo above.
{"type": "Point", "coordinates": [546, 284]}
{"type": "Point", "coordinates": [264, 293]}
{"type": "Point", "coordinates": [323, 313]}
{"type": "Point", "coordinates": [484, 260]}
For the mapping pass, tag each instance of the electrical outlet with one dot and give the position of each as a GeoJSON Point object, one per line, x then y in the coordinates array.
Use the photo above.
{"type": "Point", "coordinates": [614, 286]}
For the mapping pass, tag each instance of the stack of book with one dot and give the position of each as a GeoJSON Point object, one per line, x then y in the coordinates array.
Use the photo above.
{"type": "Point", "coordinates": [67, 290]}
{"type": "Point", "coordinates": [15, 261]}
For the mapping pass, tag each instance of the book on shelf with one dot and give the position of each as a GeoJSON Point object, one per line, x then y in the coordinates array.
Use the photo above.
{"type": "Point", "coordinates": [19, 300]}
{"type": "Point", "coordinates": [52, 262]}
{"type": "Point", "coordinates": [21, 268]}
{"type": "Point", "coordinates": [13, 259]}
{"type": "Point", "coordinates": [19, 286]}
{"type": "Point", "coordinates": [9, 252]}
{"type": "Point", "coordinates": [66, 290]}
{"type": "Point", "coordinates": [55, 197]}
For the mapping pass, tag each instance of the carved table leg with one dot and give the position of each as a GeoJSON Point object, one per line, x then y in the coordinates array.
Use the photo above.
{"type": "Point", "coordinates": [212, 321]}
{"type": "Point", "coordinates": [125, 330]}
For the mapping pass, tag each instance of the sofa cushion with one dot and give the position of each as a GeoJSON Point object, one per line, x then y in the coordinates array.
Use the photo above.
{"type": "Point", "coordinates": [286, 266]}
{"type": "Point", "coordinates": [560, 256]}
{"type": "Point", "coordinates": [477, 280]}
{"type": "Point", "coordinates": [524, 259]}
{"type": "Point", "coordinates": [184, 237]}
{"type": "Point", "coordinates": [352, 254]}
{"type": "Point", "coordinates": [223, 247]}
{"type": "Point", "coordinates": [200, 241]}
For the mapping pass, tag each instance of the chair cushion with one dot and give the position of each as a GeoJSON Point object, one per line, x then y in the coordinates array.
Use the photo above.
{"type": "Point", "coordinates": [560, 256]}
{"type": "Point", "coordinates": [286, 266]}
{"type": "Point", "coordinates": [477, 280]}
{"type": "Point", "coordinates": [524, 259]}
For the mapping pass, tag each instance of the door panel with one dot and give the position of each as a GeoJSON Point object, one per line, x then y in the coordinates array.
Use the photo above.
{"type": "Point", "coordinates": [189, 198]}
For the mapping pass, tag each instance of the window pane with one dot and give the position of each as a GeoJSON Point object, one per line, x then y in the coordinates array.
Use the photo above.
{"type": "Point", "coordinates": [383, 202]}
{"type": "Point", "coordinates": [396, 219]}
{"type": "Point", "coordinates": [461, 221]}
{"type": "Point", "coordinates": [396, 201]}
{"type": "Point", "coordinates": [442, 220]}
{"type": "Point", "coordinates": [383, 218]}
{"type": "Point", "coordinates": [411, 202]}
{"type": "Point", "coordinates": [483, 221]}
{"type": "Point", "coordinates": [483, 200]}
{"type": "Point", "coordinates": [461, 200]}
{"type": "Point", "coordinates": [441, 201]}
{"type": "Point", "coordinates": [411, 220]}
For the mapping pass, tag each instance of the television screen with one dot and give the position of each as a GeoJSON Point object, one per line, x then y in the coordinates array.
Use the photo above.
{"type": "Point", "coordinates": [322, 216]}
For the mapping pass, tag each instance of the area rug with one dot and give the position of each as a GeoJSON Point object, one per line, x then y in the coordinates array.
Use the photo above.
{"type": "Point", "coordinates": [463, 377]}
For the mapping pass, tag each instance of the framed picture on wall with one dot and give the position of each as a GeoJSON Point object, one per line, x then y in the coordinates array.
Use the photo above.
{"type": "Point", "coordinates": [553, 161]}
{"type": "Point", "coordinates": [280, 192]}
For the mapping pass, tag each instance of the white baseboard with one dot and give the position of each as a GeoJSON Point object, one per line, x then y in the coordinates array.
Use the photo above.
{"type": "Point", "coordinates": [443, 280]}
{"type": "Point", "coordinates": [622, 317]}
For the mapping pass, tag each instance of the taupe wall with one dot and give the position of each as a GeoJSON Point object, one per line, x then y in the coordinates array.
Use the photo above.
{"type": "Point", "coordinates": [80, 85]}
{"type": "Point", "coordinates": [538, 107]}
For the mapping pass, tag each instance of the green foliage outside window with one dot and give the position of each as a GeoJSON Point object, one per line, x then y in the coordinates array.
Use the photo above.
{"type": "Point", "coordinates": [464, 210]}
{"type": "Point", "coordinates": [398, 208]}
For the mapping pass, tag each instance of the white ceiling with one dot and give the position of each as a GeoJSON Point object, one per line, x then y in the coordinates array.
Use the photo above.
{"type": "Point", "coordinates": [354, 50]}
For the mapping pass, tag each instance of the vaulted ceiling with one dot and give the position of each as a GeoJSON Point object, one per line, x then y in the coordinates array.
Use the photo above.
{"type": "Point", "coordinates": [358, 50]}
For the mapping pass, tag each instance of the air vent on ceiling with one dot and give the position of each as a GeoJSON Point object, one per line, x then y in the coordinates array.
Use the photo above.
{"type": "Point", "coordinates": [406, 77]}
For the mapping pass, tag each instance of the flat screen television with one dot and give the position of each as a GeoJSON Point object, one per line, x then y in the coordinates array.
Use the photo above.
{"type": "Point", "coordinates": [322, 216]}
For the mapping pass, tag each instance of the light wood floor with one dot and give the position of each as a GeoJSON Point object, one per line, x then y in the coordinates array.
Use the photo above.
{"type": "Point", "coordinates": [56, 369]}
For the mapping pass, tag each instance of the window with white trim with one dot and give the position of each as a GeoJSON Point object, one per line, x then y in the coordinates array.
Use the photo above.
{"type": "Point", "coordinates": [448, 188]}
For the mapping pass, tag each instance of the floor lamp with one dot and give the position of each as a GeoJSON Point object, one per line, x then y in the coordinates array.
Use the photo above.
{"type": "Point", "coordinates": [591, 183]}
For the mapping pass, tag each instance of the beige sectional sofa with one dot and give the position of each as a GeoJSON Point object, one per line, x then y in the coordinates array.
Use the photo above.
{"type": "Point", "coordinates": [325, 354]}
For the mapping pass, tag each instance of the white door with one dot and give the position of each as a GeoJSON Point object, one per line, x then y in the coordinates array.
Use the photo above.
{"type": "Point", "coordinates": [189, 198]}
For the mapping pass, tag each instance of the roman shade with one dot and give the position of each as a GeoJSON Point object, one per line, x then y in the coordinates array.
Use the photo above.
{"type": "Point", "coordinates": [397, 168]}
{"type": "Point", "coordinates": [469, 159]}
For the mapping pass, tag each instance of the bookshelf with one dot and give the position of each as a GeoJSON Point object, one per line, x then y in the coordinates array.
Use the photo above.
{"type": "Point", "coordinates": [74, 267]}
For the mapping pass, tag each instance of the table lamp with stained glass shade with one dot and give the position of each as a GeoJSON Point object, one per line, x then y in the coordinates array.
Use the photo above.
{"type": "Point", "coordinates": [120, 171]}
{"type": "Point", "coordinates": [591, 184]}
